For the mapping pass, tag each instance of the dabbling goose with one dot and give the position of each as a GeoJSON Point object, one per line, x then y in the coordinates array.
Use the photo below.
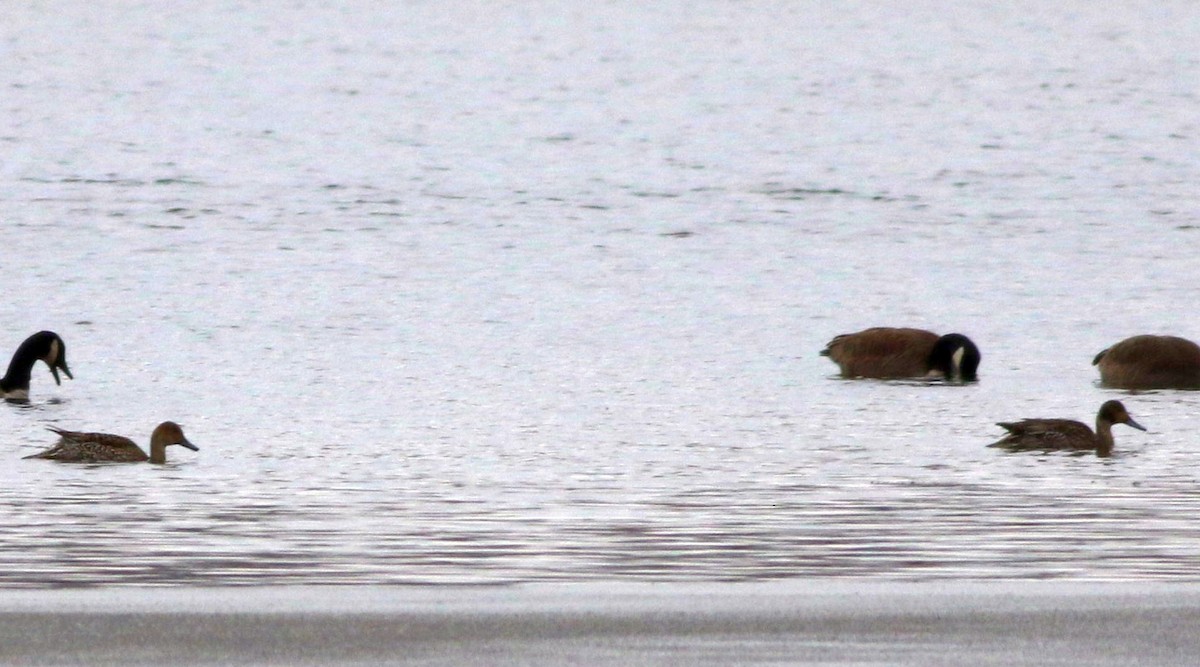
{"type": "Point", "coordinates": [43, 345]}
{"type": "Point", "coordinates": [887, 352]}
{"type": "Point", "coordinates": [99, 447]}
{"type": "Point", "coordinates": [1150, 362]}
{"type": "Point", "coordinates": [1057, 434]}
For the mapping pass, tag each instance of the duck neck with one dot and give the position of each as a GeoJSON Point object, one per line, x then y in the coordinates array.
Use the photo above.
{"type": "Point", "coordinates": [158, 452]}
{"type": "Point", "coordinates": [1104, 437]}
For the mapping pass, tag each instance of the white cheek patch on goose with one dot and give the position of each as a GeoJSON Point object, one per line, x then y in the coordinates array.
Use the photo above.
{"type": "Point", "coordinates": [956, 360]}
{"type": "Point", "coordinates": [49, 358]}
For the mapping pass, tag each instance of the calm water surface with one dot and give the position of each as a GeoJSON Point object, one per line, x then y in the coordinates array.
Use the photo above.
{"type": "Point", "coordinates": [547, 305]}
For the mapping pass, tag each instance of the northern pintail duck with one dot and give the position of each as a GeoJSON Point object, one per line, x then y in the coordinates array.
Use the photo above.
{"type": "Point", "coordinates": [1150, 362]}
{"type": "Point", "coordinates": [887, 352]}
{"type": "Point", "coordinates": [44, 345]}
{"type": "Point", "coordinates": [1057, 434]}
{"type": "Point", "coordinates": [99, 447]}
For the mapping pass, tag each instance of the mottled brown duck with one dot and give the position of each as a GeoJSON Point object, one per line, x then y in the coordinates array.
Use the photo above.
{"type": "Point", "coordinates": [76, 447]}
{"type": "Point", "coordinates": [1067, 434]}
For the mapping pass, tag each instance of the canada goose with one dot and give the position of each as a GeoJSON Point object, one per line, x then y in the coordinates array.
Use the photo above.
{"type": "Point", "coordinates": [1055, 434]}
{"type": "Point", "coordinates": [44, 345]}
{"type": "Point", "coordinates": [1150, 362]}
{"type": "Point", "coordinates": [78, 447]}
{"type": "Point", "coordinates": [887, 352]}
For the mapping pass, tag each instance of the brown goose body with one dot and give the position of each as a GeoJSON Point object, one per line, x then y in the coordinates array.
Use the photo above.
{"type": "Point", "coordinates": [1067, 434]}
{"type": "Point", "coordinates": [79, 447]}
{"type": "Point", "coordinates": [899, 352]}
{"type": "Point", "coordinates": [1150, 362]}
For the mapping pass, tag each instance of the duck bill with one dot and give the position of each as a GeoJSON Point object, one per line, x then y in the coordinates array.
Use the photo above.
{"type": "Point", "coordinates": [185, 443]}
{"type": "Point", "coordinates": [1135, 424]}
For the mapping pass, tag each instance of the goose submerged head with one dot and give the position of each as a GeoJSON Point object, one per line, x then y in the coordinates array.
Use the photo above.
{"type": "Point", "coordinates": [955, 357]}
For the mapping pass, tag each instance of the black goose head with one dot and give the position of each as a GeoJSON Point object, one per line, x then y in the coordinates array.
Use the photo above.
{"type": "Point", "coordinates": [956, 357]}
{"type": "Point", "coordinates": [44, 345]}
{"type": "Point", "coordinates": [50, 348]}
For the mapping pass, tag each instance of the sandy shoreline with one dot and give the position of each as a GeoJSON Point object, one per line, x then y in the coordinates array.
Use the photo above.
{"type": "Point", "coordinates": [840, 622]}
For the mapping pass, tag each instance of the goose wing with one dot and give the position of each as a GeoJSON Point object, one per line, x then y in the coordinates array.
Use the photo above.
{"type": "Point", "coordinates": [1150, 362]}
{"type": "Point", "coordinates": [883, 352]}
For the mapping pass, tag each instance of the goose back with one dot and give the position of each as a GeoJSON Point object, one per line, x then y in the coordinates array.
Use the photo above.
{"type": "Point", "coordinates": [1150, 362]}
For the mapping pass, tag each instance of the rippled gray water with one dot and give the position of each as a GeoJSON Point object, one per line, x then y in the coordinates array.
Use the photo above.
{"type": "Point", "coordinates": [494, 292]}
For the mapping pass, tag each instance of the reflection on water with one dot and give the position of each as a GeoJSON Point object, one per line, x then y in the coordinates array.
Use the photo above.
{"type": "Point", "coordinates": [1078, 517]}
{"type": "Point", "coordinates": [547, 306]}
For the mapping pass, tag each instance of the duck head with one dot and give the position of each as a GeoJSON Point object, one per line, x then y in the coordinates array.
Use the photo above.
{"type": "Point", "coordinates": [170, 433]}
{"type": "Point", "coordinates": [1114, 412]}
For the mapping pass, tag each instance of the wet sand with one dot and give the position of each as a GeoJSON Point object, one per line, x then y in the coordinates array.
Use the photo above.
{"type": "Point", "coordinates": [595, 624]}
